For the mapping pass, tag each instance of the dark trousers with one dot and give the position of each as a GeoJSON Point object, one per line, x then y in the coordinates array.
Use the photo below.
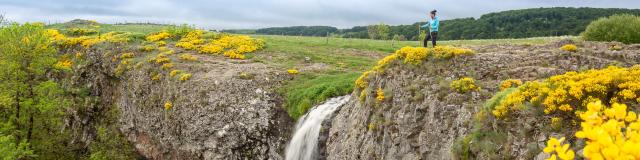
{"type": "Point", "coordinates": [431, 36]}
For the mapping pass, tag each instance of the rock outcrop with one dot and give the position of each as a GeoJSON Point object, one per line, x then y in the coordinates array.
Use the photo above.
{"type": "Point", "coordinates": [226, 110]}
{"type": "Point", "coordinates": [421, 117]}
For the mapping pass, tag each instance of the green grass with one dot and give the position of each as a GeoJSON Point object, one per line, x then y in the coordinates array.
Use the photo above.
{"type": "Point", "coordinates": [391, 46]}
{"type": "Point", "coordinates": [307, 90]}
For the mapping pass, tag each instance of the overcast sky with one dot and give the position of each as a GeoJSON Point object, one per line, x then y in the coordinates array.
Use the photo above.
{"type": "Point", "coordinates": [235, 14]}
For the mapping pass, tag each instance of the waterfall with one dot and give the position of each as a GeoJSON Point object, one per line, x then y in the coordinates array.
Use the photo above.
{"type": "Point", "coordinates": [304, 144]}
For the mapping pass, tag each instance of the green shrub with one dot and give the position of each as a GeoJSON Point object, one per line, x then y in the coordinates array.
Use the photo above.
{"type": "Point", "coordinates": [623, 28]}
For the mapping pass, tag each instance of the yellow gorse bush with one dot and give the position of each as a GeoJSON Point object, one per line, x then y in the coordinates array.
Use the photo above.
{"type": "Point", "coordinates": [569, 48]}
{"type": "Point", "coordinates": [558, 150]}
{"type": "Point", "coordinates": [233, 46]}
{"type": "Point", "coordinates": [611, 132]}
{"type": "Point", "coordinates": [63, 64]}
{"type": "Point", "coordinates": [573, 90]}
{"type": "Point", "coordinates": [509, 83]}
{"type": "Point", "coordinates": [293, 71]}
{"type": "Point", "coordinates": [86, 41]}
{"type": "Point", "coordinates": [158, 36]}
{"type": "Point", "coordinates": [463, 85]}
{"type": "Point", "coordinates": [168, 105]}
{"type": "Point", "coordinates": [126, 55]}
{"type": "Point", "coordinates": [173, 73]}
{"type": "Point", "coordinates": [188, 57]}
{"type": "Point", "coordinates": [380, 94]}
{"type": "Point", "coordinates": [412, 55]}
{"type": "Point", "coordinates": [185, 77]}
{"type": "Point", "coordinates": [191, 40]}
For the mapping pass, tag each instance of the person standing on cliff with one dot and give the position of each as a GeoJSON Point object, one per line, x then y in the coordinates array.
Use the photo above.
{"type": "Point", "coordinates": [433, 22]}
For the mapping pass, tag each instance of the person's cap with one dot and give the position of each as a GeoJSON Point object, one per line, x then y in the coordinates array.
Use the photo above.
{"type": "Point", "coordinates": [434, 11]}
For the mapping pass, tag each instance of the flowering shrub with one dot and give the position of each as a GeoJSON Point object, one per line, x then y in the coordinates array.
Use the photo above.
{"type": "Point", "coordinates": [464, 85]}
{"type": "Point", "coordinates": [412, 55]}
{"type": "Point", "coordinates": [156, 77]}
{"type": "Point", "coordinates": [293, 71]}
{"type": "Point", "coordinates": [191, 40]}
{"type": "Point", "coordinates": [87, 41]}
{"type": "Point", "coordinates": [81, 31]}
{"type": "Point", "coordinates": [557, 150]}
{"type": "Point", "coordinates": [64, 64]}
{"type": "Point", "coordinates": [167, 66]}
{"type": "Point", "coordinates": [509, 83]}
{"type": "Point", "coordinates": [415, 55]}
{"type": "Point", "coordinates": [611, 132]}
{"type": "Point", "coordinates": [569, 48]}
{"type": "Point", "coordinates": [161, 44]}
{"type": "Point", "coordinates": [570, 91]}
{"type": "Point", "coordinates": [126, 55]}
{"type": "Point", "coordinates": [185, 77]}
{"type": "Point", "coordinates": [380, 94]}
{"type": "Point", "coordinates": [161, 58]}
{"type": "Point", "coordinates": [362, 81]}
{"type": "Point", "coordinates": [168, 105]}
{"type": "Point", "coordinates": [55, 35]}
{"type": "Point", "coordinates": [188, 57]}
{"type": "Point", "coordinates": [173, 73]}
{"type": "Point", "coordinates": [233, 46]}
{"type": "Point", "coordinates": [158, 36]}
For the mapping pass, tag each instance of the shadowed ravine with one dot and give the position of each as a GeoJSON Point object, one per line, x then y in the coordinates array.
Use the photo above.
{"type": "Point", "coordinates": [304, 144]}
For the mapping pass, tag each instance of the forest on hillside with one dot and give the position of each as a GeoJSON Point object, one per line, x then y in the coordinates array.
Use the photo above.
{"type": "Point", "coordinates": [534, 22]}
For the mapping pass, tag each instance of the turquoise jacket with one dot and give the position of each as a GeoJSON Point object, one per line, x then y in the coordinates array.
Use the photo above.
{"type": "Point", "coordinates": [432, 24]}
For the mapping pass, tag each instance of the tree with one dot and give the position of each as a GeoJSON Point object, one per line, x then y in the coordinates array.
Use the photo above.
{"type": "Point", "coordinates": [379, 31]}
{"type": "Point", "coordinates": [29, 100]}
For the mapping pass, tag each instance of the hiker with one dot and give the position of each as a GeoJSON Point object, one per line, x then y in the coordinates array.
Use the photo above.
{"type": "Point", "coordinates": [433, 23]}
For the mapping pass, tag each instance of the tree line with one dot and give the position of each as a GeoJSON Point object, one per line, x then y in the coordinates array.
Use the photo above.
{"type": "Point", "coordinates": [534, 22]}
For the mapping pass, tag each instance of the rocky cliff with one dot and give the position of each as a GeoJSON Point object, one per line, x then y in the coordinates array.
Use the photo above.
{"type": "Point", "coordinates": [226, 110]}
{"type": "Point", "coordinates": [421, 117]}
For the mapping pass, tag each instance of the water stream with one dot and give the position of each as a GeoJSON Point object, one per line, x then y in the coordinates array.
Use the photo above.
{"type": "Point", "coordinates": [304, 144]}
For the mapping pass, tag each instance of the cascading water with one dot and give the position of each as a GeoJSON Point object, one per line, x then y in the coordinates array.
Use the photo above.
{"type": "Point", "coordinates": [303, 145]}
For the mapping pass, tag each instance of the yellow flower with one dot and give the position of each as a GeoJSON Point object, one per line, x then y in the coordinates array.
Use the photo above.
{"type": "Point", "coordinates": [464, 85]}
{"type": "Point", "coordinates": [569, 48]}
{"type": "Point", "coordinates": [185, 77]}
{"type": "Point", "coordinates": [168, 105]}
{"type": "Point", "coordinates": [173, 73]}
{"type": "Point", "coordinates": [510, 83]}
{"type": "Point", "coordinates": [167, 66]}
{"type": "Point", "coordinates": [188, 57]}
{"type": "Point", "coordinates": [293, 71]}
{"type": "Point", "coordinates": [380, 94]}
{"type": "Point", "coordinates": [158, 36]}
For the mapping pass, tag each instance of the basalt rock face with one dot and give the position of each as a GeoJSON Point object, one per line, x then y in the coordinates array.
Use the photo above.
{"type": "Point", "coordinates": [214, 115]}
{"type": "Point", "coordinates": [421, 117]}
{"type": "Point", "coordinates": [226, 110]}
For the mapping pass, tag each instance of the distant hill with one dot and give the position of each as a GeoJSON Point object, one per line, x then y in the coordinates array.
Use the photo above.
{"type": "Point", "coordinates": [534, 22]}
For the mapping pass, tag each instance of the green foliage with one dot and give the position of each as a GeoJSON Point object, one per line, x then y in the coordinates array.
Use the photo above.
{"type": "Point", "coordinates": [490, 104]}
{"type": "Point", "coordinates": [316, 31]}
{"type": "Point", "coordinates": [535, 22]}
{"type": "Point", "coordinates": [379, 31]}
{"type": "Point", "coordinates": [31, 103]}
{"type": "Point", "coordinates": [307, 91]}
{"type": "Point", "coordinates": [623, 28]}
{"type": "Point", "coordinates": [179, 31]}
{"type": "Point", "coordinates": [9, 150]}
